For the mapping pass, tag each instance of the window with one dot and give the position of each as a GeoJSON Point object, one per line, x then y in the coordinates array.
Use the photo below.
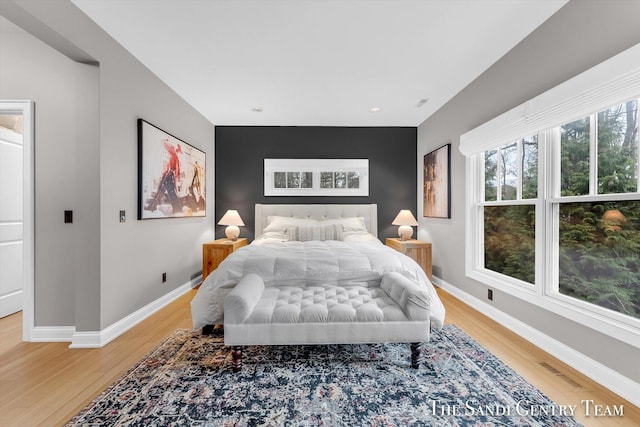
{"type": "Point", "coordinates": [511, 186]}
{"type": "Point", "coordinates": [599, 254]}
{"type": "Point", "coordinates": [591, 204]}
{"type": "Point", "coordinates": [553, 207]}
{"type": "Point", "coordinates": [618, 148]}
{"type": "Point", "coordinates": [599, 238]}
{"type": "Point", "coordinates": [509, 241]}
{"type": "Point", "coordinates": [574, 157]}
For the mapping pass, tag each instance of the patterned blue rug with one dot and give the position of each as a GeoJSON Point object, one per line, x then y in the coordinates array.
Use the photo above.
{"type": "Point", "coordinates": [187, 381]}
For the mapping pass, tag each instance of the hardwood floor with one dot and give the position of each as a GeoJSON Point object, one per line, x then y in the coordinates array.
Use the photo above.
{"type": "Point", "coordinates": [563, 384]}
{"type": "Point", "coordinates": [45, 384]}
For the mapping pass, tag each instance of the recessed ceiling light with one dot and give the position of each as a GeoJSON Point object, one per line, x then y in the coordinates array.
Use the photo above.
{"type": "Point", "coordinates": [375, 110]}
{"type": "Point", "coordinates": [257, 109]}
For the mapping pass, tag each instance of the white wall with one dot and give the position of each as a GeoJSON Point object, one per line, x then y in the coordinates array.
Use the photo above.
{"type": "Point", "coordinates": [136, 253]}
{"type": "Point", "coordinates": [31, 70]}
{"type": "Point", "coordinates": [97, 271]}
{"type": "Point", "coordinates": [579, 36]}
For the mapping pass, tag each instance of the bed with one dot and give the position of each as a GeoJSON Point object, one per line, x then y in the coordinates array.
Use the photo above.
{"type": "Point", "coordinates": [317, 274]}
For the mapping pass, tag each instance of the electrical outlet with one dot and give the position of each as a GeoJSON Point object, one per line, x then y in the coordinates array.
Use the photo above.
{"type": "Point", "coordinates": [490, 294]}
{"type": "Point", "coordinates": [164, 277]}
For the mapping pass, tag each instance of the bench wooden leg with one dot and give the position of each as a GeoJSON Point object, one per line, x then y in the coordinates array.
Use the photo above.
{"type": "Point", "coordinates": [415, 355]}
{"type": "Point", "coordinates": [236, 355]}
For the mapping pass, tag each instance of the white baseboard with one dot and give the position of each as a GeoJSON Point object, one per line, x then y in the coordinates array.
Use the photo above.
{"type": "Point", "coordinates": [607, 377]}
{"type": "Point", "coordinates": [97, 339]}
{"type": "Point", "coordinates": [11, 303]}
{"type": "Point", "coordinates": [52, 333]}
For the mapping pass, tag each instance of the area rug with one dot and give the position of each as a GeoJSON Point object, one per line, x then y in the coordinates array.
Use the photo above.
{"type": "Point", "coordinates": [187, 381]}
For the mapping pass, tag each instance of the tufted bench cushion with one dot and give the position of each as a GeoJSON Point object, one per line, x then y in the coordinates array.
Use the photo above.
{"type": "Point", "coordinates": [322, 304]}
{"type": "Point", "coordinates": [396, 311]}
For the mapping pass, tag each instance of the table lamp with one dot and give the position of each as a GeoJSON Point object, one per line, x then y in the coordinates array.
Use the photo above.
{"type": "Point", "coordinates": [232, 220]}
{"type": "Point", "coordinates": [405, 220]}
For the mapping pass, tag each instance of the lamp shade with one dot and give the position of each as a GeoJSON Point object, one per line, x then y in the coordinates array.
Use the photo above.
{"type": "Point", "coordinates": [405, 217]}
{"type": "Point", "coordinates": [232, 220]}
{"type": "Point", "coordinates": [405, 220]}
{"type": "Point", "coordinates": [231, 217]}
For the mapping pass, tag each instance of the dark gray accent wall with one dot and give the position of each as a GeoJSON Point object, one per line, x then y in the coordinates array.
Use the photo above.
{"type": "Point", "coordinates": [239, 167]}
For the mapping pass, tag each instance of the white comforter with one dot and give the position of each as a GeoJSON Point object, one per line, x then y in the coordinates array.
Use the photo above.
{"type": "Point", "coordinates": [307, 263]}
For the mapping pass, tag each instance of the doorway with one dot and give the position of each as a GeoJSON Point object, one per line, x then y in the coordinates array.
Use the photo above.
{"type": "Point", "coordinates": [11, 240]}
{"type": "Point", "coordinates": [16, 211]}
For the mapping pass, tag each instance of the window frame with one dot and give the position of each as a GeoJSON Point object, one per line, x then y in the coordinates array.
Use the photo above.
{"type": "Point", "coordinates": [553, 202]}
{"type": "Point", "coordinates": [518, 201]}
{"type": "Point", "coordinates": [545, 291]}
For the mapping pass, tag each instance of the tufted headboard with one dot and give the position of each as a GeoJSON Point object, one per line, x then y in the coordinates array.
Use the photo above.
{"type": "Point", "coordinates": [368, 212]}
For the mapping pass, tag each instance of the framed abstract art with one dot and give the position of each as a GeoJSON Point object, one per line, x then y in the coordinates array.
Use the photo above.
{"type": "Point", "coordinates": [171, 175]}
{"type": "Point", "coordinates": [437, 183]}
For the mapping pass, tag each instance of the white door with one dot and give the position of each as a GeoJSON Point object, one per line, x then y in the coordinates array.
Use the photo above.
{"type": "Point", "coordinates": [11, 214]}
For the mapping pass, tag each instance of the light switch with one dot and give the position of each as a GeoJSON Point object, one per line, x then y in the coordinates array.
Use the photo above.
{"type": "Point", "coordinates": [68, 217]}
{"type": "Point", "coordinates": [123, 216]}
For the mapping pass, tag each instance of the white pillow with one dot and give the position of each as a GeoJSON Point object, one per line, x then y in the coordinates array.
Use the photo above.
{"type": "Point", "coordinates": [318, 232]}
{"type": "Point", "coordinates": [282, 223]}
{"type": "Point", "coordinates": [273, 235]}
{"type": "Point", "coordinates": [348, 224]}
{"type": "Point", "coordinates": [359, 236]}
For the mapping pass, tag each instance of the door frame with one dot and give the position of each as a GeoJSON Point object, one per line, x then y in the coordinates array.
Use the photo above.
{"type": "Point", "coordinates": [27, 110]}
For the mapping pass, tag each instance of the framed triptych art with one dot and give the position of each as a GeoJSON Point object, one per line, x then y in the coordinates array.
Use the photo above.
{"type": "Point", "coordinates": [316, 177]}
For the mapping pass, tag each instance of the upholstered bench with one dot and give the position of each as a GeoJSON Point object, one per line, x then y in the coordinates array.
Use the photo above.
{"type": "Point", "coordinates": [395, 311]}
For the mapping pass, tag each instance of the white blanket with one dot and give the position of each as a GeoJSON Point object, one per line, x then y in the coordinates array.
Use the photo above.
{"type": "Point", "coordinates": [307, 263]}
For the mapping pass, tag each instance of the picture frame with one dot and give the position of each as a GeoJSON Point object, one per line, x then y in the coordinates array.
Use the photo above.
{"type": "Point", "coordinates": [437, 183]}
{"type": "Point", "coordinates": [171, 175]}
{"type": "Point", "coordinates": [316, 177]}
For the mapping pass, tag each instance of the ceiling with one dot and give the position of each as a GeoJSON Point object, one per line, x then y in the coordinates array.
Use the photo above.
{"type": "Point", "coordinates": [318, 62]}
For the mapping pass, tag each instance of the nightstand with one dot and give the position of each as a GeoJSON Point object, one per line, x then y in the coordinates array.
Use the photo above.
{"type": "Point", "coordinates": [418, 250]}
{"type": "Point", "coordinates": [213, 253]}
